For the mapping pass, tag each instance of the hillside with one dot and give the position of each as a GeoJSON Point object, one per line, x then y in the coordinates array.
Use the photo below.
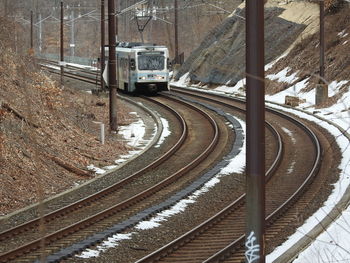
{"type": "Point", "coordinates": [303, 57]}
{"type": "Point", "coordinates": [43, 125]}
{"type": "Point", "coordinates": [47, 134]}
{"type": "Point", "coordinates": [291, 30]}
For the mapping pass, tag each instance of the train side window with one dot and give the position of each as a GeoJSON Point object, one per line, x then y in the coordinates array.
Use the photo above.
{"type": "Point", "coordinates": [132, 64]}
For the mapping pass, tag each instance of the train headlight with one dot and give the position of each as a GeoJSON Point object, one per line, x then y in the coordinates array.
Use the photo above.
{"type": "Point", "coordinates": [142, 78]}
{"type": "Point", "coordinates": [159, 77]}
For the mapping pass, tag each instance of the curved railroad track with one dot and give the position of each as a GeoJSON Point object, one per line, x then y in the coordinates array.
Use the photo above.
{"type": "Point", "coordinates": [221, 238]}
{"type": "Point", "coordinates": [70, 71]}
{"type": "Point", "coordinates": [122, 200]}
{"type": "Point", "coordinates": [288, 193]}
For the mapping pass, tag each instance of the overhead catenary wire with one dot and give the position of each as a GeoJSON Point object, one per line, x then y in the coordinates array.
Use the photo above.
{"type": "Point", "coordinates": [122, 12]}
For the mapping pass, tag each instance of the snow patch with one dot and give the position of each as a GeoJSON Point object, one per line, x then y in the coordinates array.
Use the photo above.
{"type": "Point", "coordinates": [111, 242]}
{"type": "Point", "coordinates": [165, 133]}
{"type": "Point", "coordinates": [282, 76]}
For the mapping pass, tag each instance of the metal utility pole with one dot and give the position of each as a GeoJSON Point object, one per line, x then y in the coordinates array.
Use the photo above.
{"type": "Point", "coordinates": [112, 67]}
{"type": "Point", "coordinates": [103, 58]}
{"type": "Point", "coordinates": [61, 46]}
{"type": "Point", "coordinates": [321, 87]}
{"type": "Point", "coordinates": [40, 34]}
{"type": "Point", "coordinates": [151, 13]}
{"type": "Point", "coordinates": [72, 41]}
{"type": "Point", "coordinates": [116, 19]}
{"type": "Point", "coordinates": [322, 46]}
{"type": "Point", "coordinates": [31, 32]}
{"type": "Point", "coordinates": [176, 33]}
{"type": "Point", "coordinates": [255, 118]}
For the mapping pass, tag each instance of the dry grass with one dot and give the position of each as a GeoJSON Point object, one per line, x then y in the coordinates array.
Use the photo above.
{"type": "Point", "coordinates": [304, 57]}
{"type": "Point", "coordinates": [47, 135]}
{"type": "Point", "coordinates": [273, 87]}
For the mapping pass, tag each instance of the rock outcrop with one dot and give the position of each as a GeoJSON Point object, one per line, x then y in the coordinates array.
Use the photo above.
{"type": "Point", "coordinates": [220, 58]}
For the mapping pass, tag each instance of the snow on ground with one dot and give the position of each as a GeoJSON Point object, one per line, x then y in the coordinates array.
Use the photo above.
{"type": "Point", "coordinates": [133, 134]}
{"type": "Point", "coordinates": [236, 165]}
{"type": "Point", "coordinates": [333, 245]}
{"type": "Point", "coordinates": [334, 248]}
{"type": "Point", "coordinates": [282, 76]}
{"type": "Point", "coordinates": [109, 243]}
{"type": "Point", "coordinates": [294, 90]}
{"type": "Point", "coordinates": [166, 132]}
{"type": "Point", "coordinates": [182, 82]}
{"type": "Point", "coordinates": [290, 133]}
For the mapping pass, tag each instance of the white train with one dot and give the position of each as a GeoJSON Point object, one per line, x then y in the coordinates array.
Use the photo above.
{"type": "Point", "coordinates": [142, 67]}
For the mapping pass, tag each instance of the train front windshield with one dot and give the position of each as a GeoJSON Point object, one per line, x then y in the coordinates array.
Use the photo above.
{"type": "Point", "coordinates": [151, 61]}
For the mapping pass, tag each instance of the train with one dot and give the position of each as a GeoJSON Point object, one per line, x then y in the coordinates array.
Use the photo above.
{"type": "Point", "coordinates": [141, 67]}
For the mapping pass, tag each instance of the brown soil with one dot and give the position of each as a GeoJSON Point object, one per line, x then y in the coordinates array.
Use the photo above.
{"type": "Point", "coordinates": [304, 57]}
{"type": "Point", "coordinates": [47, 134]}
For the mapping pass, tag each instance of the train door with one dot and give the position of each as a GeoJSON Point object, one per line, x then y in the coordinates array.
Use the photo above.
{"type": "Point", "coordinates": [119, 72]}
{"type": "Point", "coordinates": [131, 75]}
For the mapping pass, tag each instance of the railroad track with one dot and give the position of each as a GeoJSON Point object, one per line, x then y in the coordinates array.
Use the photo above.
{"type": "Point", "coordinates": [293, 193]}
{"type": "Point", "coordinates": [123, 200]}
{"type": "Point", "coordinates": [73, 72]}
{"type": "Point", "coordinates": [221, 238]}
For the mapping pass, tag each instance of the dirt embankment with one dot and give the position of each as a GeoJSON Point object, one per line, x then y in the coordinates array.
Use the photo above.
{"type": "Point", "coordinates": [47, 134]}
{"type": "Point", "coordinates": [303, 57]}
{"type": "Point", "coordinates": [291, 27]}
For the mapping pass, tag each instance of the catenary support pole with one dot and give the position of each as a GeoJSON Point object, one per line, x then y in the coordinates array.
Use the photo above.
{"type": "Point", "coordinates": [255, 147]}
{"type": "Point", "coordinates": [176, 32]}
{"type": "Point", "coordinates": [322, 44]}
{"type": "Point", "coordinates": [116, 19]}
{"type": "Point", "coordinates": [72, 36]}
{"type": "Point", "coordinates": [103, 58]}
{"type": "Point", "coordinates": [40, 34]}
{"type": "Point", "coordinates": [61, 46]}
{"type": "Point", "coordinates": [112, 81]}
{"type": "Point", "coordinates": [31, 32]}
{"type": "Point", "coordinates": [321, 86]}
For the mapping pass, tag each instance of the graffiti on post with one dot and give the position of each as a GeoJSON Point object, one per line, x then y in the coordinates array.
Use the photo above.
{"type": "Point", "coordinates": [252, 250]}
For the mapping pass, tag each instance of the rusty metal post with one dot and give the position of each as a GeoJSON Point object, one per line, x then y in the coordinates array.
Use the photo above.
{"type": "Point", "coordinates": [321, 86]}
{"type": "Point", "coordinates": [116, 19]}
{"type": "Point", "coordinates": [176, 32]}
{"type": "Point", "coordinates": [112, 81]}
{"type": "Point", "coordinates": [31, 31]}
{"type": "Point", "coordinates": [72, 36]}
{"type": "Point", "coordinates": [322, 45]}
{"type": "Point", "coordinates": [103, 57]}
{"type": "Point", "coordinates": [255, 118]}
{"type": "Point", "coordinates": [61, 46]}
{"type": "Point", "coordinates": [40, 34]}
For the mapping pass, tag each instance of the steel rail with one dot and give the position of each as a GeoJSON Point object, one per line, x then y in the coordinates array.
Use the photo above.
{"type": "Point", "coordinates": [76, 68]}
{"type": "Point", "coordinates": [239, 202]}
{"type": "Point", "coordinates": [91, 77]}
{"type": "Point", "coordinates": [277, 160]}
{"type": "Point", "coordinates": [101, 194]}
{"type": "Point", "coordinates": [228, 250]}
{"type": "Point", "coordinates": [73, 75]}
{"type": "Point", "coordinates": [48, 239]}
{"type": "Point", "coordinates": [239, 243]}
